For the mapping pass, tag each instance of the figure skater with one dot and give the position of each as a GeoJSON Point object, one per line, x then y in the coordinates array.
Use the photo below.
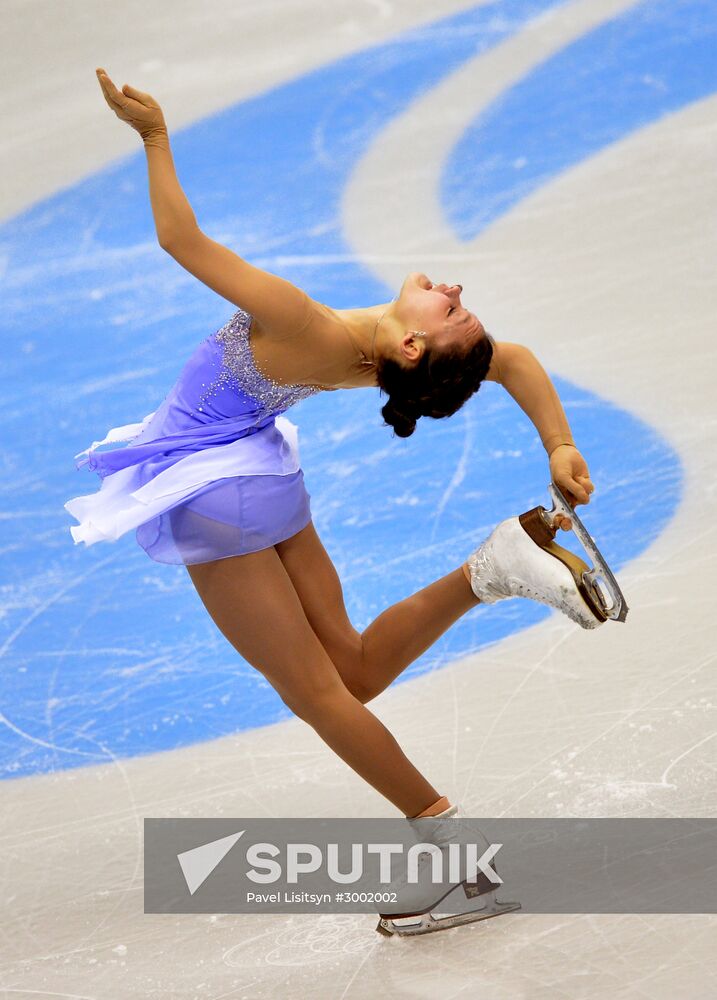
{"type": "Point", "coordinates": [212, 479]}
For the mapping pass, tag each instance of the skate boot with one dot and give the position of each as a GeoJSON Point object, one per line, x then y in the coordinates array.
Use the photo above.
{"type": "Point", "coordinates": [469, 897]}
{"type": "Point", "coordinates": [520, 558]}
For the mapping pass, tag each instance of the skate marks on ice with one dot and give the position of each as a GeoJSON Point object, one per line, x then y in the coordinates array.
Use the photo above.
{"type": "Point", "coordinates": [623, 232]}
{"type": "Point", "coordinates": [472, 470]}
{"type": "Point", "coordinates": [656, 690]}
{"type": "Point", "coordinates": [301, 940]}
{"type": "Point", "coordinates": [602, 271]}
{"type": "Point", "coordinates": [647, 62]}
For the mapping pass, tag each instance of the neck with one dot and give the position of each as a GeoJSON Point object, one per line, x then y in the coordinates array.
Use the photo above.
{"type": "Point", "coordinates": [378, 327]}
{"type": "Point", "coordinates": [368, 331]}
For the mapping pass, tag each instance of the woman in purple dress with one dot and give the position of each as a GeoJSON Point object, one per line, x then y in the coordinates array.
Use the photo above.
{"type": "Point", "coordinates": [212, 479]}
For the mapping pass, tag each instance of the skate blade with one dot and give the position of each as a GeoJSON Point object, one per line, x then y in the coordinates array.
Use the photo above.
{"type": "Point", "coordinates": [538, 523]}
{"type": "Point", "coordinates": [534, 523]}
{"type": "Point", "coordinates": [617, 609]}
{"type": "Point", "coordinates": [426, 923]}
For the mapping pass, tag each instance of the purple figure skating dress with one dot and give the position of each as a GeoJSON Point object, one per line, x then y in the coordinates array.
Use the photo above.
{"type": "Point", "coordinates": [214, 472]}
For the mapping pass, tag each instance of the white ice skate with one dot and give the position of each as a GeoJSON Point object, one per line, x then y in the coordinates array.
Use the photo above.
{"type": "Point", "coordinates": [520, 558]}
{"type": "Point", "coordinates": [473, 898]}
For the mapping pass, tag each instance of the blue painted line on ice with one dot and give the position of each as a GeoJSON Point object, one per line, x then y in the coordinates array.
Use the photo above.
{"type": "Point", "coordinates": [631, 71]}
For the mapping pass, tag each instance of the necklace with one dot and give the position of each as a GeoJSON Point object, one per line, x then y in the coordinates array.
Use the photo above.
{"type": "Point", "coordinates": [365, 360]}
{"type": "Point", "coordinates": [373, 339]}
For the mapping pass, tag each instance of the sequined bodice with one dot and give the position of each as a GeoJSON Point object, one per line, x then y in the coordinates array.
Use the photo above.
{"type": "Point", "coordinates": [239, 369]}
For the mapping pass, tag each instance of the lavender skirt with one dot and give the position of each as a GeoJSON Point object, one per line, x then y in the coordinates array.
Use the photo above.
{"type": "Point", "coordinates": [197, 483]}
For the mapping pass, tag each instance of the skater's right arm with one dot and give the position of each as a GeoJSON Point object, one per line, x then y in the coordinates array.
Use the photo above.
{"type": "Point", "coordinates": [277, 305]}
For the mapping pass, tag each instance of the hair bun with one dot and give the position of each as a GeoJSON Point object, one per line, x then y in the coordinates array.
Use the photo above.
{"type": "Point", "coordinates": [436, 386]}
{"type": "Point", "coordinates": [400, 414]}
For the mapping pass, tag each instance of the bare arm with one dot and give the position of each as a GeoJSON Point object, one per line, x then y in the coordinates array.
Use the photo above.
{"type": "Point", "coordinates": [279, 307]}
{"type": "Point", "coordinates": [172, 212]}
{"type": "Point", "coordinates": [522, 375]}
{"type": "Point", "coordinates": [277, 304]}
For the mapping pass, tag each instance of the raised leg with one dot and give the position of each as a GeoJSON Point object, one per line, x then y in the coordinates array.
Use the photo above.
{"type": "Point", "coordinates": [370, 661]}
{"type": "Point", "coordinates": [254, 604]}
{"type": "Point", "coordinates": [407, 629]}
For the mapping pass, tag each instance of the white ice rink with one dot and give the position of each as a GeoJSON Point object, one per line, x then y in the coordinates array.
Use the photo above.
{"type": "Point", "coordinates": [607, 272]}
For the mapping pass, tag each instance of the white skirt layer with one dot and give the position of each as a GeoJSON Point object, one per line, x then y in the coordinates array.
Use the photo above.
{"type": "Point", "coordinates": [123, 503]}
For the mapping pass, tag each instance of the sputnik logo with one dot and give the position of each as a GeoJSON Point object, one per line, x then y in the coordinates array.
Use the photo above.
{"type": "Point", "coordinates": [199, 863]}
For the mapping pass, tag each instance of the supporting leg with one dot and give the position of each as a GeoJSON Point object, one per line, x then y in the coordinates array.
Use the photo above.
{"type": "Point", "coordinates": [366, 745]}
{"type": "Point", "coordinates": [252, 601]}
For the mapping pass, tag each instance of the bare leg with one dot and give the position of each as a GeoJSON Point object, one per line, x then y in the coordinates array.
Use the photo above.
{"type": "Point", "coordinates": [253, 602]}
{"type": "Point", "coordinates": [369, 661]}
{"type": "Point", "coordinates": [407, 629]}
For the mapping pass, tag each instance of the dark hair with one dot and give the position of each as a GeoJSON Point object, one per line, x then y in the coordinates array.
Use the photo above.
{"type": "Point", "coordinates": [437, 386]}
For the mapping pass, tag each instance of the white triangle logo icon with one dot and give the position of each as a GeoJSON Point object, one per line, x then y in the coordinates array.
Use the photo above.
{"type": "Point", "coordinates": [199, 863]}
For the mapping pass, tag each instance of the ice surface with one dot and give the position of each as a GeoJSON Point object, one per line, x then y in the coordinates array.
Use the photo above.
{"type": "Point", "coordinates": [605, 270]}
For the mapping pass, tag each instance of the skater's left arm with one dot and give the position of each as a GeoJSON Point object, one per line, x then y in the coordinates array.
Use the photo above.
{"type": "Point", "coordinates": [522, 375]}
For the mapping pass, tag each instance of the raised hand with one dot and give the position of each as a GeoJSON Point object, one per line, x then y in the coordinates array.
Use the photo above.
{"type": "Point", "coordinates": [139, 110]}
{"type": "Point", "coordinates": [569, 471]}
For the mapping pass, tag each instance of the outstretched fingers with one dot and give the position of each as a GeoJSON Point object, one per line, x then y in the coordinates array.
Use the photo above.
{"type": "Point", "coordinates": [132, 106]}
{"type": "Point", "coordinates": [127, 98]}
{"type": "Point", "coordinates": [138, 95]}
{"type": "Point", "coordinates": [106, 86]}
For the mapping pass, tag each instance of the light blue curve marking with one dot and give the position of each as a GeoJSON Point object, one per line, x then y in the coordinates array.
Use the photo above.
{"type": "Point", "coordinates": [106, 654]}
{"type": "Point", "coordinates": [629, 72]}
